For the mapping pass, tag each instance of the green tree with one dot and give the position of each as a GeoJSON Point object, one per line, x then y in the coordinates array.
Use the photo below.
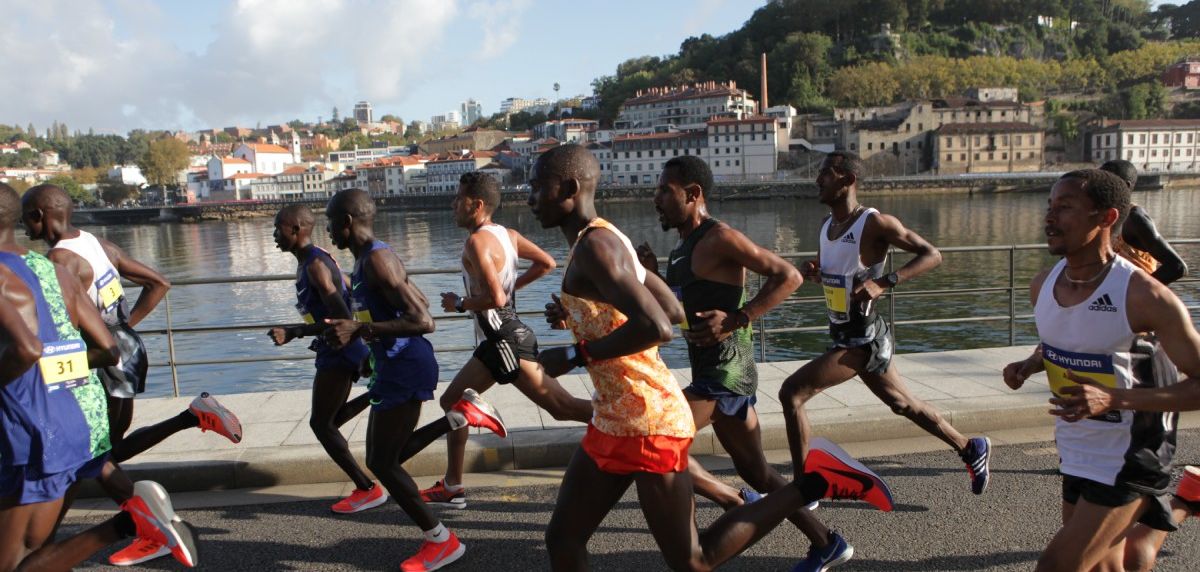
{"type": "Point", "coordinates": [164, 159]}
{"type": "Point", "coordinates": [74, 190]}
{"type": "Point", "coordinates": [114, 193]}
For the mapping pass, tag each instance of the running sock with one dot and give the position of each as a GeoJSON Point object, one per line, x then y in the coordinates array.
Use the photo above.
{"type": "Point", "coordinates": [124, 525]}
{"type": "Point", "coordinates": [190, 418]}
{"type": "Point", "coordinates": [457, 420]}
{"type": "Point", "coordinates": [437, 534]}
{"type": "Point", "coordinates": [452, 488]}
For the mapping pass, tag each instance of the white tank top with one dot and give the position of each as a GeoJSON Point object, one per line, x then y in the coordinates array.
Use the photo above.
{"type": "Point", "coordinates": [842, 268]}
{"type": "Point", "coordinates": [1091, 338]}
{"type": "Point", "coordinates": [105, 290]}
{"type": "Point", "coordinates": [489, 321]}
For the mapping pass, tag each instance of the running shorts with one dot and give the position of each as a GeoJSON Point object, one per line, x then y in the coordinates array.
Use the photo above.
{"type": "Point", "coordinates": [879, 349]}
{"type": "Point", "coordinates": [1158, 513]}
{"type": "Point", "coordinates": [411, 375]}
{"type": "Point", "coordinates": [729, 403]}
{"type": "Point", "coordinates": [641, 454]}
{"type": "Point", "coordinates": [348, 359]}
{"type": "Point", "coordinates": [25, 486]}
{"type": "Point", "coordinates": [502, 354]}
{"type": "Point", "coordinates": [127, 378]}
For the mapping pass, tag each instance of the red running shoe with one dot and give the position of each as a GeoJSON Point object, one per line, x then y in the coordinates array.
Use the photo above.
{"type": "Point", "coordinates": [360, 500]}
{"type": "Point", "coordinates": [1189, 489]}
{"type": "Point", "coordinates": [439, 495]}
{"type": "Point", "coordinates": [480, 413]}
{"type": "Point", "coordinates": [846, 477]}
{"type": "Point", "coordinates": [214, 417]}
{"type": "Point", "coordinates": [155, 520]}
{"type": "Point", "coordinates": [141, 550]}
{"type": "Point", "coordinates": [434, 555]}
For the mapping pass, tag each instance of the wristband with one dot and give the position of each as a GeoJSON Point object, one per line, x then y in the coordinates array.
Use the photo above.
{"type": "Point", "coordinates": [582, 357]}
{"type": "Point", "coordinates": [458, 305]}
{"type": "Point", "coordinates": [742, 318]}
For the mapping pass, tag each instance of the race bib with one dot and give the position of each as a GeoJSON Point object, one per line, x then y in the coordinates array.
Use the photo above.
{"type": "Point", "coordinates": [835, 293]}
{"type": "Point", "coordinates": [361, 315]}
{"type": "Point", "coordinates": [1097, 367]}
{"type": "Point", "coordinates": [679, 296]}
{"type": "Point", "coordinates": [305, 314]}
{"type": "Point", "coordinates": [108, 288]}
{"type": "Point", "coordinates": [64, 364]}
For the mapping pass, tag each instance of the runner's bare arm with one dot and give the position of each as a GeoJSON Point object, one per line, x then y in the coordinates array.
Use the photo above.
{"type": "Point", "coordinates": [665, 298]}
{"type": "Point", "coordinates": [1159, 311]}
{"type": "Point", "coordinates": [20, 348]}
{"type": "Point", "coordinates": [154, 285]}
{"type": "Point", "coordinates": [603, 262]}
{"type": "Point", "coordinates": [321, 280]}
{"type": "Point", "coordinates": [541, 262]}
{"type": "Point", "coordinates": [648, 259]}
{"type": "Point", "coordinates": [73, 262]}
{"type": "Point", "coordinates": [782, 277]}
{"type": "Point", "coordinates": [102, 348]}
{"type": "Point", "coordinates": [1017, 372]}
{"type": "Point", "coordinates": [1145, 234]}
{"type": "Point", "coordinates": [888, 229]}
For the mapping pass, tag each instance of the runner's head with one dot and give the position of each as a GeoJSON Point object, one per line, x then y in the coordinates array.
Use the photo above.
{"type": "Point", "coordinates": [1123, 169]}
{"type": "Point", "coordinates": [478, 197]}
{"type": "Point", "coordinates": [838, 177]}
{"type": "Point", "coordinates": [10, 208]}
{"type": "Point", "coordinates": [682, 189]}
{"type": "Point", "coordinates": [293, 227]}
{"type": "Point", "coordinates": [563, 182]}
{"type": "Point", "coordinates": [1084, 207]}
{"type": "Point", "coordinates": [46, 211]}
{"type": "Point", "coordinates": [350, 212]}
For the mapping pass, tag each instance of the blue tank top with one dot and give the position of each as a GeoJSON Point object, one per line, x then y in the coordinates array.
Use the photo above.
{"type": "Point", "coordinates": [308, 301]}
{"type": "Point", "coordinates": [368, 305]}
{"type": "Point", "coordinates": [44, 427]}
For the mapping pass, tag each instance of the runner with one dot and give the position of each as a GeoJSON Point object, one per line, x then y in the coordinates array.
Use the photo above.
{"type": "Point", "coordinates": [508, 350]}
{"type": "Point", "coordinates": [54, 430]}
{"type": "Point", "coordinates": [99, 266]}
{"type": "Point", "coordinates": [642, 426]}
{"type": "Point", "coordinates": [707, 272]}
{"type": "Point", "coordinates": [1139, 240]}
{"type": "Point", "coordinates": [854, 244]}
{"type": "Point", "coordinates": [392, 316]}
{"type": "Point", "coordinates": [1113, 386]}
{"type": "Point", "coordinates": [323, 292]}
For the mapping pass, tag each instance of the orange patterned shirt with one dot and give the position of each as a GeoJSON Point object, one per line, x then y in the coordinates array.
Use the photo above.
{"type": "Point", "coordinates": [1139, 258]}
{"type": "Point", "coordinates": [636, 395]}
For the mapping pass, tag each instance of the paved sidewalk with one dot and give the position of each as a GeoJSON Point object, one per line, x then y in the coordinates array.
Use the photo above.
{"type": "Point", "coordinates": [280, 449]}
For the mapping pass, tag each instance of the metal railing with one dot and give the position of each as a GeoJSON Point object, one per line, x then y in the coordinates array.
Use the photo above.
{"type": "Point", "coordinates": [762, 332]}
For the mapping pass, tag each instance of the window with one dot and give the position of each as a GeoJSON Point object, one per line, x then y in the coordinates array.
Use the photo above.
{"type": "Point", "coordinates": [1141, 152]}
{"type": "Point", "coordinates": [991, 156]}
{"type": "Point", "coordinates": [920, 127]}
{"type": "Point", "coordinates": [1142, 138]}
{"type": "Point", "coordinates": [977, 156]}
{"type": "Point", "coordinates": [1004, 140]}
{"type": "Point", "coordinates": [1189, 137]}
{"type": "Point", "coordinates": [853, 146]}
{"type": "Point", "coordinates": [949, 156]}
{"type": "Point", "coordinates": [737, 163]}
{"type": "Point", "coordinates": [737, 149]}
{"type": "Point", "coordinates": [976, 140]}
{"type": "Point", "coordinates": [1154, 139]}
{"type": "Point", "coordinates": [949, 142]}
{"type": "Point", "coordinates": [1154, 152]}
{"type": "Point", "coordinates": [1004, 156]}
{"type": "Point", "coordinates": [908, 145]}
{"type": "Point", "coordinates": [1177, 152]}
{"type": "Point", "coordinates": [1018, 155]}
{"type": "Point", "coordinates": [1129, 154]}
{"type": "Point", "coordinates": [870, 145]}
{"type": "Point", "coordinates": [908, 126]}
{"type": "Point", "coordinates": [639, 154]}
{"type": "Point", "coordinates": [1130, 139]}
{"type": "Point", "coordinates": [1179, 137]}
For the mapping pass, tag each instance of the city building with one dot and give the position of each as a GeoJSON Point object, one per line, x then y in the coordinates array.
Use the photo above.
{"type": "Point", "coordinates": [390, 176]}
{"type": "Point", "coordinates": [989, 94]}
{"type": "Point", "coordinates": [734, 149]}
{"type": "Point", "coordinates": [589, 103]}
{"type": "Point", "coordinates": [604, 155]}
{"type": "Point", "coordinates": [448, 120]}
{"type": "Point", "coordinates": [221, 168]}
{"type": "Point", "coordinates": [363, 113]}
{"type": "Point", "coordinates": [471, 139]}
{"type": "Point", "coordinates": [266, 158]}
{"type": "Point", "coordinates": [1185, 74]}
{"type": "Point", "coordinates": [684, 107]}
{"type": "Point", "coordinates": [1009, 147]}
{"type": "Point", "coordinates": [518, 104]}
{"type": "Point", "coordinates": [639, 158]}
{"type": "Point", "coordinates": [472, 111]}
{"type": "Point", "coordinates": [127, 175]}
{"type": "Point", "coordinates": [1151, 144]}
{"type": "Point", "coordinates": [356, 156]}
{"type": "Point", "coordinates": [443, 172]}
{"type": "Point", "coordinates": [568, 130]}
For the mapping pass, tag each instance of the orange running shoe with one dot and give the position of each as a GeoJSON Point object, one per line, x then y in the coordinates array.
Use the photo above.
{"type": "Point", "coordinates": [214, 417]}
{"type": "Point", "coordinates": [480, 413]}
{"type": "Point", "coordinates": [155, 520]}
{"type": "Point", "coordinates": [846, 478]}
{"type": "Point", "coordinates": [439, 495]}
{"type": "Point", "coordinates": [434, 555]}
{"type": "Point", "coordinates": [1188, 490]}
{"type": "Point", "coordinates": [361, 499]}
{"type": "Point", "coordinates": [141, 550]}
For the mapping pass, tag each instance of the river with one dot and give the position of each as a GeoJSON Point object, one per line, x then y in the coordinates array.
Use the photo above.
{"type": "Point", "coordinates": [431, 240]}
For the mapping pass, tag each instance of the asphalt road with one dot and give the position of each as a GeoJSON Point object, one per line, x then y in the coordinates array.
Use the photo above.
{"type": "Point", "coordinates": [938, 525]}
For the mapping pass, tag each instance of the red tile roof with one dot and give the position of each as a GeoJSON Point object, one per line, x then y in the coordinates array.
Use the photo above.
{"type": "Point", "coordinates": [267, 148]}
{"type": "Point", "coordinates": [1004, 127]}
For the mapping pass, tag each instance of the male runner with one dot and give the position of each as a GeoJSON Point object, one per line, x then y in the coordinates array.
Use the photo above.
{"type": "Point", "coordinates": [1113, 387]}
{"type": "Point", "coordinates": [642, 426]}
{"type": "Point", "coordinates": [1138, 240]}
{"type": "Point", "coordinates": [392, 316]}
{"type": "Point", "coordinates": [707, 272]}
{"type": "Point", "coordinates": [99, 266]}
{"type": "Point", "coordinates": [53, 430]}
{"type": "Point", "coordinates": [507, 352]}
{"type": "Point", "coordinates": [323, 292]}
{"type": "Point", "coordinates": [854, 245]}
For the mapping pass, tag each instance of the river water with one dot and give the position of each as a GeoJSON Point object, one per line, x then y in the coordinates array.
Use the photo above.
{"type": "Point", "coordinates": [431, 240]}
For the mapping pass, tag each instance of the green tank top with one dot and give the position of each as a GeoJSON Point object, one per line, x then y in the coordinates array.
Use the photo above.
{"type": "Point", "coordinates": [91, 395]}
{"type": "Point", "coordinates": [730, 363]}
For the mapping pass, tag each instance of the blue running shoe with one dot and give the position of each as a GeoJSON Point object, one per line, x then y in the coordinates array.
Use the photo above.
{"type": "Point", "coordinates": [977, 455]}
{"type": "Point", "coordinates": [822, 559]}
{"type": "Point", "coordinates": [751, 495]}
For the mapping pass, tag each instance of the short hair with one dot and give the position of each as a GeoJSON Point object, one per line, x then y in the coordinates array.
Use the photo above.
{"type": "Point", "coordinates": [354, 202]}
{"type": "Point", "coordinates": [300, 214]}
{"type": "Point", "coordinates": [10, 206]}
{"type": "Point", "coordinates": [483, 187]}
{"type": "Point", "coordinates": [1123, 169]}
{"type": "Point", "coordinates": [692, 170]}
{"type": "Point", "coordinates": [570, 161]}
{"type": "Point", "coordinates": [851, 163]}
{"type": "Point", "coordinates": [1106, 190]}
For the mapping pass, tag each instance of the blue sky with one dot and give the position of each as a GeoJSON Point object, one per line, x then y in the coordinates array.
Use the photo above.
{"type": "Point", "coordinates": [119, 64]}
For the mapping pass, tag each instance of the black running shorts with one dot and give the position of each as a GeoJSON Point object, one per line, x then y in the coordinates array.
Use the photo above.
{"type": "Point", "coordinates": [501, 353]}
{"type": "Point", "coordinates": [1158, 512]}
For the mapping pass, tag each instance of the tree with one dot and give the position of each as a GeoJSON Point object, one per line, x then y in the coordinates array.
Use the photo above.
{"type": "Point", "coordinates": [163, 161]}
{"type": "Point", "coordinates": [31, 133]}
{"type": "Point", "coordinates": [114, 193]}
{"type": "Point", "coordinates": [392, 118]}
{"type": "Point", "coordinates": [74, 190]}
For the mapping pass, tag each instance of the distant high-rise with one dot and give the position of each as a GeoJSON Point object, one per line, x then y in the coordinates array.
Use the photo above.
{"type": "Point", "coordinates": [472, 111]}
{"type": "Point", "coordinates": [363, 112]}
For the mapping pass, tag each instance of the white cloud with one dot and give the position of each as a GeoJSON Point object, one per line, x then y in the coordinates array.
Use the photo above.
{"type": "Point", "coordinates": [501, 25]}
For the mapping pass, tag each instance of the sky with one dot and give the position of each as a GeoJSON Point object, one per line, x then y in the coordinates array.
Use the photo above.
{"type": "Point", "coordinates": [116, 65]}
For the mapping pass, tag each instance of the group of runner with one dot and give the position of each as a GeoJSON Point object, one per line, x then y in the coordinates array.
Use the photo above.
{"type": "Point", "coordinates": [1117, 345]}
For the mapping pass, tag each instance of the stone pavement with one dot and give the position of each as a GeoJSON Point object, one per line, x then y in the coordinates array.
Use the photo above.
{"type": "Point", "coordinates": [279, 448]}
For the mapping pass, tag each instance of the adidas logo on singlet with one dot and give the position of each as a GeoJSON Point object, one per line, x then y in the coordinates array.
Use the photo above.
{"type": "Point", "coordinates": [1102, 304]}
{"type": "Point", "coordinates": [849, 238]}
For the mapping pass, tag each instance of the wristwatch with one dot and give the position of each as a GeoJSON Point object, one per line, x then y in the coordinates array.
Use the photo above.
{"type": "Point", "coordinates": [458, 305]}
{"type": "Point", "coordinates": [742, 319]}
{"type": "Point", "coordinates": [892, 279]}
{"type": "Point", "coordinates": [574, 357]}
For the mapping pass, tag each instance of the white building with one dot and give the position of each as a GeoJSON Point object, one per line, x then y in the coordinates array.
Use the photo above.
{"type": "Point", "coordinates": [222, 168]}
{"type": "Point", "coordinates": [1151, 145]}
{"type": "Point", "coordinates": [684, 107]}
{"type": "Point", "coordinates": [733, 148]}
{"type": "Point", "coordinates": [127, 175]}
{"type": "Point", "coordinates": [472, 111]}
{"type": "Point", "coordinates": [390, 176]}
{"type": "Point", "coordinates": [266, 158]}
{"type": "Point", "coordinates": [363, 113]}
{"type": "Point", "coordinates": [568, 130]}
{"type": "Point", "coordinates": [442, 173]}
{"type": "Point", "coordinates": [604, 155]}
{"type": "Point", "coordinates": [357, 156]}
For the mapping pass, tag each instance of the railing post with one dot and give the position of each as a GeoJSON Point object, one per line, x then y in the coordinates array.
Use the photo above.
{"type": "Point", "coordinates": [762, 328]}
{"type": "Point", "coordinates": [171, 345]}
{"type": "Point", "coordinates": [892, 298]}
{"type": "Point", "coordinates": [1012, 295]}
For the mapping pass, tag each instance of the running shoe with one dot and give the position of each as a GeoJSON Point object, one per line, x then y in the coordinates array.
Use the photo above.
{"type": "Point", "coordinates": [977, 456]}
{"type": "Point", "coordinates": [750, 495]}
{"type": "Point", "coordinates": [480, 413]}
{"type": "Point", "coordinates": [155, 520]}
{"type": "Point", "coordinates": [361, 499]}
{"type": "Point", "coordinates": [214, 417]}
{"type": "Point", "coordinates": [1188, 490]}
{"type": "Point", "coordinates": [434, 555]}
{"type": "Point", "coordinates": [822, 559]}
{"type": "Point", "coordinates": [141, 550]}
{"type": "Point", "coordinates": [439, 495]}
{"type": "Point", "coordinates": [845, 477]}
